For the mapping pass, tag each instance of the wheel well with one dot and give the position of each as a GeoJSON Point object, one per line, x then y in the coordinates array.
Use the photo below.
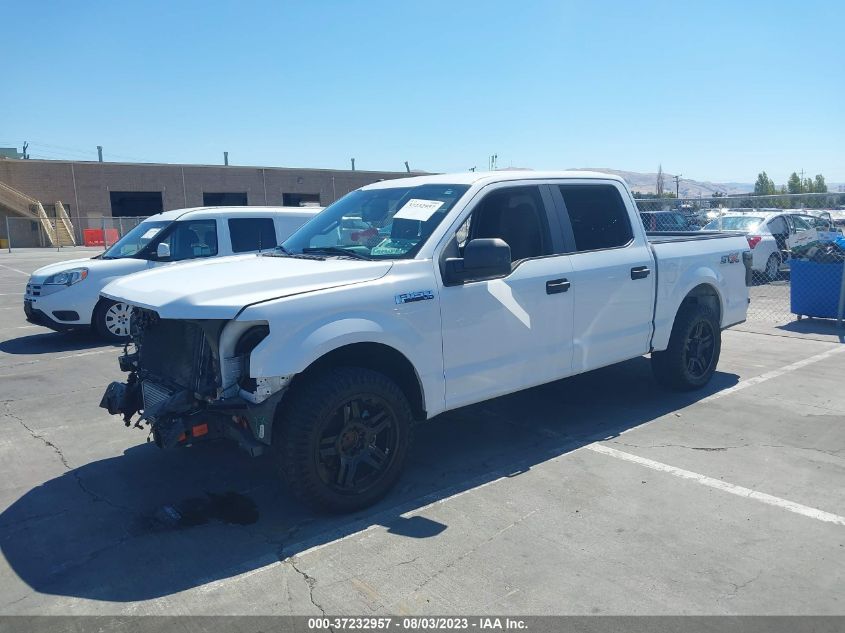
{"type": "Point", "coordinates": [705, 294]}
{"type": "Point", "coordinates": [95, 313]}
{"type": "Point", "coordinates": [378, 357]}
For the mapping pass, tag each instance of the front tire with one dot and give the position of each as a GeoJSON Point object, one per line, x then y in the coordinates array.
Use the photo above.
{"type": "Point", "coordinates": [111, 320]}
{"type": "Point", "coordinates": [343, 438]}
{"type": "Point", "coordinates": [693, 352]}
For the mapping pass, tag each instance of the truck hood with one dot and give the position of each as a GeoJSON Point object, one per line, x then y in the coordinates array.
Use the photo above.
{"type": "Point", "coordinates": [220, 288]}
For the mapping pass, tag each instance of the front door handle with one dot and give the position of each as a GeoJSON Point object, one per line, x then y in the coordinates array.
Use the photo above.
{"type": "Point", "coordinates": [555, 286]}
{"type": "Point", "coordinates": [640, 272]}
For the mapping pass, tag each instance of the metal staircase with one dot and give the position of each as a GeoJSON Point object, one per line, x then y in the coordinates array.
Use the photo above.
{"type": "Point", "coordinates": [59, 230]}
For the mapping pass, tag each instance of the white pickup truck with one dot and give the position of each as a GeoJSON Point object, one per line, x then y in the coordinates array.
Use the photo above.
{"type": "Point", "coordinates": [411, 297]}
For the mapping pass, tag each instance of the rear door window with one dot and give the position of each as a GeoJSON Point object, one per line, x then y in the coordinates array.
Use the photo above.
{"type": "Point", "coordinates": [252, 234]}
{"type": "Point", "coordinates": [598, 216]}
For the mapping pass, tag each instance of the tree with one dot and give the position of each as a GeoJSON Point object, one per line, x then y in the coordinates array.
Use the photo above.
{"type": "Point", "coordinates": [807, 186]}
{"type": "Point", "coordinates": [764, 186]}
{"type": "Point", "coordinates": [794, 184]}
{"type": "Point", "coordinates": [660, 181]}
{"type": "Point", "coordinates": [820, 186]}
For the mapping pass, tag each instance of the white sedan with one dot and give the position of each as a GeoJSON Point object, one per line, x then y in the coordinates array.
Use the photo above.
{"type": "Point", "coordinates": [771, 236]}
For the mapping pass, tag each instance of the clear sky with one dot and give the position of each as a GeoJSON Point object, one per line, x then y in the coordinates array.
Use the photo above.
{"type": "Point", "coordinates": [714, 90]}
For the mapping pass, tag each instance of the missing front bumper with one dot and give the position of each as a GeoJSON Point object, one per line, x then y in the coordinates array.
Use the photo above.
{"type": "Point", "coordinates": [176, 418]}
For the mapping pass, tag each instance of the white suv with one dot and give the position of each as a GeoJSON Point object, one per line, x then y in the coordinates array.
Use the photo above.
{"type": "Point", "coordinates": [66, 295]}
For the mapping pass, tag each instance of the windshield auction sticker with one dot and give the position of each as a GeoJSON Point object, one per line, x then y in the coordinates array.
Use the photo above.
{"type": "Point", "coordinates": [417, 209]}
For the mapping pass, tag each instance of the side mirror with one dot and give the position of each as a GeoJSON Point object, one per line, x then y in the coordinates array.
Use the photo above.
{"type": "Point", "coordinates": [163, 250]}
{"type": "Point", "coordinates": [484, 258]}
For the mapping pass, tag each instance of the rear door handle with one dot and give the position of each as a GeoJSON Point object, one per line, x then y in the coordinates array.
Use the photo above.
{"type": "Point", "coordinates": [640, 272]}
{"type": "Point", "coordinates": [555, 286]}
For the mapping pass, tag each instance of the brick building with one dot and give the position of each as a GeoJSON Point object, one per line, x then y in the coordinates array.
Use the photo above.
{"type": "Point", "coordinates": [90, 191]}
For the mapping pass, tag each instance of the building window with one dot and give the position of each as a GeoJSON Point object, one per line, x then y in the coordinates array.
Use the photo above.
{"type": "Point", "coordinates": [252, 234]}
{"type": "Point", "coordinates": [134, 204]}
{"type": "Point", "coordinates": [301, 199]}
{"type": "Point", "coordinates": [224, 199]}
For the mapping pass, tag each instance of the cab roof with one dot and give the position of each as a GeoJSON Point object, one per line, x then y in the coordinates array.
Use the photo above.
{"type": "Point", "coordinates": [485, 177]}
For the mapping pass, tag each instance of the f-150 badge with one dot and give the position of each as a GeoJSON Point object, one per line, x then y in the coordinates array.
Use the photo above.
{"type": "Point", "coordinates": [418, 295]}
{"type": "Point", "coordinates": [730, 258]}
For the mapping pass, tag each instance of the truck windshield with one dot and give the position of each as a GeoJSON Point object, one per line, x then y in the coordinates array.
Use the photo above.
{"type": "Point", "coordinates": [733, 223]}
{"type": "Point", "coordinates": [390, 223]}
{"type": "Point", "coordinates": [133, 242]}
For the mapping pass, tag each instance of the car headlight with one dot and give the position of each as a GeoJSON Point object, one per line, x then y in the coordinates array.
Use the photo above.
{"type": "Point", "coordinates": [67, 277]}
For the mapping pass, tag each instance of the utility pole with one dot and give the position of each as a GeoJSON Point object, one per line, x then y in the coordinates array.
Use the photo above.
{"type": "Point", "coordinates": [677, 185]}
{"type": "Point", "coordinates": [407, 167]}
{"type": "Point", "coordinates": [226, 159]}
{"type": "Point", "coordinates": [353, 164]}
{"type": "Point", "coordinates": [100, 153]}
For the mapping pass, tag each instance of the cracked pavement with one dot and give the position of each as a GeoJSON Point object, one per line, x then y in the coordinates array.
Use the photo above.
{"type": "Point", "coordinates": [500, 510]}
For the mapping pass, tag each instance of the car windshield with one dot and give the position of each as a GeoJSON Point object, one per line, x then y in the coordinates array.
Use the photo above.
{"type": "Point", "coordinates": [388, 223]}
{"type": "Point", "coordinates": [733, 223]}
{"type": "Point", "coordinates": [131, 244]}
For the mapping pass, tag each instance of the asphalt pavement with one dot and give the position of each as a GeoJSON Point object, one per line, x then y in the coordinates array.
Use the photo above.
{"type": "Point", "coordinates": [600, 494]}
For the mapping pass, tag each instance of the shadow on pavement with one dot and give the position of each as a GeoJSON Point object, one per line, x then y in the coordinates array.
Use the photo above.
{"type": "Point", "coordinates": [51, 342]}
{"type": "Point", "coordinates": [106, 530]}
{"type": "Point", "coordinates": [810, 325]}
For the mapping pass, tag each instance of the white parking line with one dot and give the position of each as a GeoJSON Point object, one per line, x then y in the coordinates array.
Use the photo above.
{"type": "Point", "coordinates": [756, 380]}
{"type": "Point", "coordinates": [724, 486]}
{"type": "Point", "coordinates": [15, 269]}
{"type": "Point", "coordinates": [36, 361]}
{"type": "Point", "coordinates": [318, 543]}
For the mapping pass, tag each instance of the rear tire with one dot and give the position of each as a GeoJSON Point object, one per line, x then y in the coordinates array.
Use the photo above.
{"type": "Point", "coordinates": [772, 267]}
{"type": "Point", "coordinates": [693, 352]}
{"type": "Point", "coordinates": [343, 438]}
{"type": "Point", "coordinates": [111, 320]}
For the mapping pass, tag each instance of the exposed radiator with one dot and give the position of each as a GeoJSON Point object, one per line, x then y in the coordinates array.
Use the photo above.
{"type": "Point", "coordinates": [154, 397]}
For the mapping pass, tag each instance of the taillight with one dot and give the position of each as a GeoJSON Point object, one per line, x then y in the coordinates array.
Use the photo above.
{"type": "Point", "coordinates": [753, 240]}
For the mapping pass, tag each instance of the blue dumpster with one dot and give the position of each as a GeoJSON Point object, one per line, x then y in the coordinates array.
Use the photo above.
{"type": "Point", "coordinates": [814, 288]}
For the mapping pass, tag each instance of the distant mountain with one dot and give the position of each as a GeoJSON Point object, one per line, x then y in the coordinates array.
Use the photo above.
{"type": "Point", "coordinates": [688, 188]}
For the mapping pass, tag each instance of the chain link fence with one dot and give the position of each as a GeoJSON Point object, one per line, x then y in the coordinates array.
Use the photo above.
{"type": "Point", "coordinates": [796, 241]}
{"type": "Point", "coordinates": [797, 244]}
{"type": "Point", "coordinates": [91, 232]}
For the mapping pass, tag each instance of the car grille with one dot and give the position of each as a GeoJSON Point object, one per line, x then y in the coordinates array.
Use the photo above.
{"type": "Point", "coordinates": [33, 290]}
{"type": "Point", "coordinates": [154, 397]}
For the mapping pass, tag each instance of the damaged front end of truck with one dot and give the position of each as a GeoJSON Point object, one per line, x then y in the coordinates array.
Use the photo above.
{"type": "Point", "coordinates": [189, 381]}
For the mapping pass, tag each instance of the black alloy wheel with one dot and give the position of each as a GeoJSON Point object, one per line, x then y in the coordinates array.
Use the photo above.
{"type": "Point", "coordinates": [357, 445]}
{"type": "Point", "coordinates": [700, 348]}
